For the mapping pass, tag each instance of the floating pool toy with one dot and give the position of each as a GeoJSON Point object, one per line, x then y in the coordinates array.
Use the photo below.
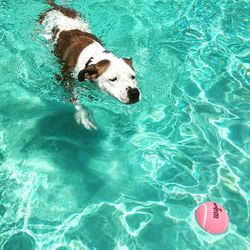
{"type": "Point", "coordinates": [212, 217]}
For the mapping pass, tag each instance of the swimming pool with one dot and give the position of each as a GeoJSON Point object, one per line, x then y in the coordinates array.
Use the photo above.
{"type": "Point", "coordinates": [136, 181]}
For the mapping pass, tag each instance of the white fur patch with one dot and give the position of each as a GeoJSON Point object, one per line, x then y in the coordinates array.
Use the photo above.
{"type": "Point", "coordinates": [55, 18]}
{"type": "Point", "coordinates": [91, 50]}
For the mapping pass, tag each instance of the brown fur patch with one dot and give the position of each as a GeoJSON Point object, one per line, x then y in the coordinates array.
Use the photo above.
{"type": "Point", "coordinates": [42, 16]}
{"type": "Point", "coordinates": [69, 46]}
{"type": "Point", "coordinates": [55, 31]}
{"type": "Point", "coordinates": [129, 62]}
{"type": "Point", "coordinates": [97, 69]}
{"type": "Point", "coordinates": [92, 72]}
{"type": "Point", "coordinates": [64, 10]}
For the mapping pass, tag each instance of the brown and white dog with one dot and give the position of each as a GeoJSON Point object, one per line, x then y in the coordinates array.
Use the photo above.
{"type": "Point", "coordinates": [84, 58]}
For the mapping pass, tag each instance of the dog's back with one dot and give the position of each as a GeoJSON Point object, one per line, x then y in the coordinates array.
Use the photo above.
{"type": "Point", "coordinates": [60, 18]}
{"type": "Point", "coordinates": [68, 32]}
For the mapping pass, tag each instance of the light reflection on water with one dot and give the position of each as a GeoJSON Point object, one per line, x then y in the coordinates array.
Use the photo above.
{"type": "Point", "coordinates": [136, 181]}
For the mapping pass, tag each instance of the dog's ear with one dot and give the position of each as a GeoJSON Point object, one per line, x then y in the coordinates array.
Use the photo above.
{"type": "Point", "coordinates": [86, 74]}
{"type": "Point", "coordinates": [129, 61]}
{"type": "Point", "coordinates": [92, 72]}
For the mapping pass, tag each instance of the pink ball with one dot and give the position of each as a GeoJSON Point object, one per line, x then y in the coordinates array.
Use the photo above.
{"type": "Point", "coordinates": [212, 217]}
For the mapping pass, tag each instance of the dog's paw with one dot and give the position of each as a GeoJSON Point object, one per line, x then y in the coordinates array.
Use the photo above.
{"type": "Point", "coordinates": [83, 118]}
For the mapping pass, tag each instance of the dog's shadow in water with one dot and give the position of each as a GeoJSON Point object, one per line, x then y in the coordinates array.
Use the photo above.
{"type": "Point", "coordinates": [68, 147]}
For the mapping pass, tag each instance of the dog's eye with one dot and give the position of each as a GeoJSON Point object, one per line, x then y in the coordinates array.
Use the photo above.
{"type": "Point", "coordinates": [133, 77]}
{"type": "Point", "coordinates": [113, 79]}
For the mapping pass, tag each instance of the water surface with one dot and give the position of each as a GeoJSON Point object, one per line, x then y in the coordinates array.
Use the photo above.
{"type": "Point", "coordinates": [135, 182]}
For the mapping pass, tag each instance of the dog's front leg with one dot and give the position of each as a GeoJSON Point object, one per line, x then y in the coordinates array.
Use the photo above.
{"type": "Point", "coordinates": [82, 116]}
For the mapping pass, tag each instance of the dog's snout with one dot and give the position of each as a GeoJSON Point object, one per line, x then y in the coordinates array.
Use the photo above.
{"type": "Point", "coordinates": [133, 95]}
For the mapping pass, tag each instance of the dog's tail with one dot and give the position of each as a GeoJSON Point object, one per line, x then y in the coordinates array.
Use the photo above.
{"type": "Point", "coordinates": [51, 3]}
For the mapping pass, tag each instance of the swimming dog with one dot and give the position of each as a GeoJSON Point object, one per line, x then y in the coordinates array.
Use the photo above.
{"type": "Point", "coordinates": [84, 58]}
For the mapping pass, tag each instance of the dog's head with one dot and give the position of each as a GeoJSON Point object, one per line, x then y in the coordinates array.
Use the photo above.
{"type": "Point", "coordinates": [115, 76]}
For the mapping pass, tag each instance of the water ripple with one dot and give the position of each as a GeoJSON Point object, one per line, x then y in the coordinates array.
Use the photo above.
{"type": "Point", "coordinates": [136, 182]}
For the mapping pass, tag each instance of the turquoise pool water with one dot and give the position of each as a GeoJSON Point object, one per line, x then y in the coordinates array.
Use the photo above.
{"type": "Point", "coordinates": [135, 182]}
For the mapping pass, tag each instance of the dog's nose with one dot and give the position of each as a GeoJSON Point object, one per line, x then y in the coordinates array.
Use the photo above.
{"type": "Point", "coordinates": [133, 95]}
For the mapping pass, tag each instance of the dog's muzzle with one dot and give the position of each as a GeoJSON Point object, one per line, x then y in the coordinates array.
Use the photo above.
{"type": "Point", "coordinates": [133, 95]}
